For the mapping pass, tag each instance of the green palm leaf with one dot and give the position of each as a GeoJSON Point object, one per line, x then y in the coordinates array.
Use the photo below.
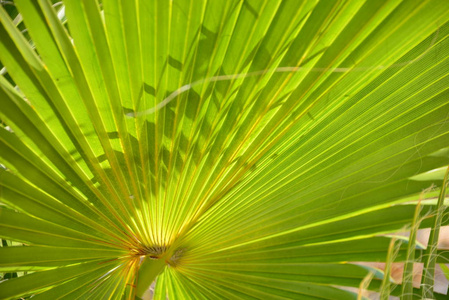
{"type": "Point", "coordinates": [228, 149]}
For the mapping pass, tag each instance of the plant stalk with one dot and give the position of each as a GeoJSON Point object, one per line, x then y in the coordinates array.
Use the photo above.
{"type": "Point", "coordinates": [148, 271]}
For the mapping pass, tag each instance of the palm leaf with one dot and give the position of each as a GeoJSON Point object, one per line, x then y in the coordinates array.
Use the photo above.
{"type": "Point", "coordinates": [228, 149]}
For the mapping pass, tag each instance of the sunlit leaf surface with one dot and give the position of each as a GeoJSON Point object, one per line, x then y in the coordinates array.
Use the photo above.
{"type": "Point", "coordinates": [226, 149]}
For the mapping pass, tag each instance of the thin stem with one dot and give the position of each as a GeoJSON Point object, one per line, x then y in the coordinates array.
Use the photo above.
{"type": "Point", "coordinates": [431, 251]}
